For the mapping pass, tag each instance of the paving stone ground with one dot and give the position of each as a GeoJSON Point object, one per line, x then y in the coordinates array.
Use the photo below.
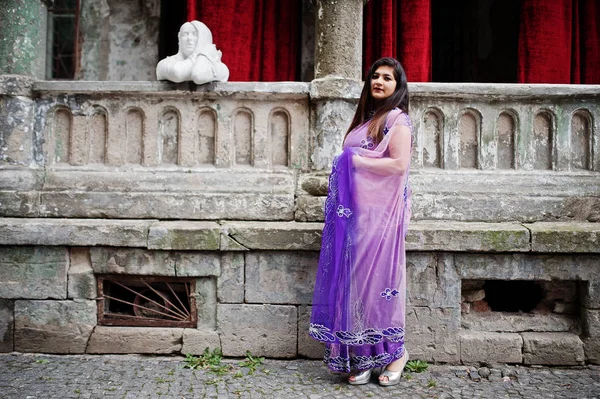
{"type": "Point", "coordinates": [33, 376]}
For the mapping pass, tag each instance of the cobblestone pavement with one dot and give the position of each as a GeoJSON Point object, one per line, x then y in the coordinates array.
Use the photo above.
{"type": "Point", "coordinates": [30, 376]}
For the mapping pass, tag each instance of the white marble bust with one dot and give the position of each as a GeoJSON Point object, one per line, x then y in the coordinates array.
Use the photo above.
{"type": "Point", "coordinates": [197, 60]}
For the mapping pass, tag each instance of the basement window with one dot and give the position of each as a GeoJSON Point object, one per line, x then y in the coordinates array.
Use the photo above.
{"type": "Point", "coordinates": [146, 301]}
{"type": "Point", "coordinates": [520, 296]}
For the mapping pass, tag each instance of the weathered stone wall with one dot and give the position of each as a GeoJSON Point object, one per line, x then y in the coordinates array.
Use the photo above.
{"type": "Point", "coordinates": [118, 39]}
{"type": "Point", "coordinates": [225, 184]}
{"type": "Point", "coordinates": [256, 295]}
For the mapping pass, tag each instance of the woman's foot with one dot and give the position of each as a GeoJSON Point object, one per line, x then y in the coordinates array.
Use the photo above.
{"type": "Point", "coordinates": [392, 373]}
{"type": "Point", "coordinates": [360, 378]}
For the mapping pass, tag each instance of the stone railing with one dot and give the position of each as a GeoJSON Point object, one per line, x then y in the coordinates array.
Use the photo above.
{"type": "Point", "coordinates": [506, 127]}
{"type": "Point", "coordinates": [239, 150]}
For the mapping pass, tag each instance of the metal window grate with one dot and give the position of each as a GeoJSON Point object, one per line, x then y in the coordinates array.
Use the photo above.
{"type": "Point", "coordinates": [63, 36]}
{"type": "Point", "coordinates": [146, 301]}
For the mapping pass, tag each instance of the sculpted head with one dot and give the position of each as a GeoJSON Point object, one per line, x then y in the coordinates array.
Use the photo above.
{"type": "Point", "coordinates": [192, 37]}
{"type": "Point", "coordinates": [188, 39]}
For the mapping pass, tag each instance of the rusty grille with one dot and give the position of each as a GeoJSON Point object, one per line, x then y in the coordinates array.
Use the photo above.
{"type": "Point", "coordinates": [146, 301]}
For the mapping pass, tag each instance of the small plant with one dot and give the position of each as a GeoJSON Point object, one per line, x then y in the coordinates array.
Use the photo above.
{"type": "Point", "coordinates": [171, 372]}
{"type": "Point", "coordinates": [212, 382]}
{"type": "Point", "coordinates": [251, 362]}
{"type": "Point", "coordinates": [407, 376]}
{"type": "Point", "coordinates": [41, 361]}
{"type": "Point", "coordinates": [238, 374]}
{"type": "Point", "coordinates": [431, 384]}
{"type": "Point", "coordinates": [417, 366]}
{"type": "Point", "coordinates": [208, 360]}
{"type": "Point", "coordinates": [78, 391]}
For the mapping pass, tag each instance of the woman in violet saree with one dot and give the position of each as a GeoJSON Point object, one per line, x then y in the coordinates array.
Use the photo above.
{"type": "Point", "coordinates": [359, 300]}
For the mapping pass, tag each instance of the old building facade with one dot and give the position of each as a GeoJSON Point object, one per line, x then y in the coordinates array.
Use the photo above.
{"type": "Point", "coordinates": [120, 197]}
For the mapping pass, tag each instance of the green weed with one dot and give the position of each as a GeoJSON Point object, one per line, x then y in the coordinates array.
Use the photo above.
{"type": "Point", "coordinates": [208, 360]}
{"type": "Point", "coordinates": [431, 384]}
{"type": "Point", "coordinates": [417, 366]}
{"type": "Point", "coordinates": [251, 362]}
{"type": "Point", "coordinates": [238, 374]}
{"type": "Point", "coordinates": [42, 361]}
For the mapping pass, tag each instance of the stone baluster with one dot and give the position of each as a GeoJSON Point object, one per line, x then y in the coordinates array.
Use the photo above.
{"type": "Point", "coordinates": [336, 87]}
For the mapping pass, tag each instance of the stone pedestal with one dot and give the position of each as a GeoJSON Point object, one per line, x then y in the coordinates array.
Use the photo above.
{"type": "Point", "coordinates": [336, 89]}
{"type": "Point", "coordinates": [23, 40]}
{"type": "Point", "coordinates": [16, 112]}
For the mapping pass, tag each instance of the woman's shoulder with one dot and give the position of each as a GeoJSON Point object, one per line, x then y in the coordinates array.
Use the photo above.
{"type": "Point", "coordinates": [398, 117]}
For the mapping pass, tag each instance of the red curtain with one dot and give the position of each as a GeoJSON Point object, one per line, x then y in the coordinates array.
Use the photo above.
{"type": "Point", "coordinates": [399, 29]}
{"type": "Point", "coordinates": [260, 39]}
{"type": "Point", "coordinates": [559, 42]}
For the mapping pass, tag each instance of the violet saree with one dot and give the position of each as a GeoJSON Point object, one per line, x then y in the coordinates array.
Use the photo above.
{"type": "Point", "coordinates": [360, 292]}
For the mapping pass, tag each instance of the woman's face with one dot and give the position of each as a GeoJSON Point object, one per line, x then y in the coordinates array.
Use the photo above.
{"type": "Point", "coordinates": [188, 37]}
{"type": "Point", "coordinates": [383, 83]}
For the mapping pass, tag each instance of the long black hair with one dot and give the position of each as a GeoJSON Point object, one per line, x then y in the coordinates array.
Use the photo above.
{"type": "Point", "coordinates": [369, 108]}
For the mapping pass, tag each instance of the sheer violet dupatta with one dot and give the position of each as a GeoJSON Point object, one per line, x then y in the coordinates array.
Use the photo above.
{"type": "Point", "coordinates": [360, 292]}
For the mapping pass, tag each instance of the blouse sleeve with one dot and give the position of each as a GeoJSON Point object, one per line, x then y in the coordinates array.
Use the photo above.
{"type": "Point", "coordinates": [397, 117]}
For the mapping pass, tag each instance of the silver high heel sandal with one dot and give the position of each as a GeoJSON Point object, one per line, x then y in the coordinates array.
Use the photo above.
{"type": "Point", "coordinates": [393, 377]}
{"type": "Point", "coordinates": [361, 378]}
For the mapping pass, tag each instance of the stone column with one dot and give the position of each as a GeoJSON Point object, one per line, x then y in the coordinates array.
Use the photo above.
{"type": "Point", "coordinates": [336, 88]}
{"type": "Point", "coordinates": [23, 39]}
{"type": "Point", "coordinates": [22, 60]}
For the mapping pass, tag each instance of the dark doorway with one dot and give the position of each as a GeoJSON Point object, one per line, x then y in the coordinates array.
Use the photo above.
{"type": "Point", "coordinates": [172, 16]}
{"type": "Point", "coordinates": [475, 40]}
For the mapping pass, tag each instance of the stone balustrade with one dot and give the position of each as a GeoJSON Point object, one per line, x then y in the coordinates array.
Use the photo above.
{"type": "Point", "coordinates": [239, 150]}
{"type": "Point", "coordinates": [506, 126]}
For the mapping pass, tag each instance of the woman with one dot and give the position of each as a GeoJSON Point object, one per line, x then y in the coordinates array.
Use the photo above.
{"type": "Point", "coordinates": [360, 293]}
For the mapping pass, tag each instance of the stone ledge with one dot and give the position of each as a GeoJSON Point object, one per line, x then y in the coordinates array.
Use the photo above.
{"type": "Point", "coordinates": [74, 232]}
{"type": "Point", "coordinates": [185, 236]}
{"type": "Point", "coordinates": [565, 237]}
{"type": "Point", "coordinates": [275, 235]}
{"type": "Point", "coordinates": [243, 90]}
{"type": "Point", "coordinates": [436, 235]}
{"type": "Point", "coordinates": [423, 235]}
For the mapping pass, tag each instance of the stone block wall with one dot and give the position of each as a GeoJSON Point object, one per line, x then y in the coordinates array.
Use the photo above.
{"type": "Point", "coordinates": [225, 184]}
{"type": "Point", "coordinates": [256, 298]}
